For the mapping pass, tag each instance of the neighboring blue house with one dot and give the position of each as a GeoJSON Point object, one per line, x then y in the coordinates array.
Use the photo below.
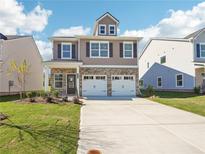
{"type": "Point", "coordinates": [174, 64]}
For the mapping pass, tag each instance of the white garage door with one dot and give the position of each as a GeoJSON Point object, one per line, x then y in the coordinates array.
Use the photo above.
{"type": "Point", "coordinates": [123, 85]}
{"type": "Point", "coordinates": [94, 85]}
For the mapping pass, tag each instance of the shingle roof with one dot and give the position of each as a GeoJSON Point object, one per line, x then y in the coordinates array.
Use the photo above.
{"type": "Point", "coordinates": [194, 34]}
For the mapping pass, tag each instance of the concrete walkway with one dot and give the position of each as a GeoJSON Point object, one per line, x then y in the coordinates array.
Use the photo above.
{"type": "Point", "coordinates": [139, 127]}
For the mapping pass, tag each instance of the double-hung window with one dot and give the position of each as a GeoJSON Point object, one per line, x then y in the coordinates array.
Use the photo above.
{"type": "Point", "coordinates": [128, 50]}
{"type": "Point", "coordinates": [179, 80]}
{"type": "Point", "coordinates": [102, 29]}
{"type": "Point", "coordinates": [202, 50]}
{"type": "Point", "coordinates": [159, 81]}
{"type": "Point", "coordinates": [58, 80]}
{"type": "Point", "coordinates": [112, 29]}
{"type": "Point", "coordinates": [99, 49]}
{"type": "Point", "coordinates": [66, 50]}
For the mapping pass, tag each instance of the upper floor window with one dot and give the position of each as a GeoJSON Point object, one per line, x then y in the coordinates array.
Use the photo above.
{"type": "Point", "coordinates": [179, 80]}
{"type": "Point", "coordinates": [99, 49]}
{"type": "Point", "coordinates": [147, 64]}
{"type": "Point", "coordinates": [112, 29]}
{"type": "Point", "coordinates": [128, 49]}
{"type": "Point", "coordinates": [102, 29]}
{"type": "Point", "coordinates": [66, 50]}
{"type": "Point", "coordinates": [202, 50]}
{"type": "Point", "coordinates": [163, 60]}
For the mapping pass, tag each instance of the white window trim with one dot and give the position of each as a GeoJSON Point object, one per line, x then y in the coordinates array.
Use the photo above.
{"type": "Point", "coordinates": [200, 49]}
{"type": "Point", "coordinates": [65, 43]}
{"type": "Point", "coordinates": [55, 80]}
{"type": "Point", "coordinates": [114, 30]}
{"type": "Point", "coordinates": [124, 50]}
{"type": "Point", "coordinates": [108, 56]}
{"type": "Point", "coordinates": [182, 80]}
{"type": "Point", "coordinates": [158, 77]}
{"type": "Point", "coordinates": [100, 29]}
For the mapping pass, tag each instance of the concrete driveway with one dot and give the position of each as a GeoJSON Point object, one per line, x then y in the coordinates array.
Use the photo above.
{"type": "Point", "coordinates": [139, 127]}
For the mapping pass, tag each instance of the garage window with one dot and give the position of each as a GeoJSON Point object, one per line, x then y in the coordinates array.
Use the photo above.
{"type": "Point", "coordinates": [116, 78]}
{"type": "Point", "coordinates": [58, 79]}
{"type": "Point", "coordinates": [100, 77]}
{"type": "Point", "coordinates": [128, 78]}
{"type": "Point", "coordinates": [88, 77]}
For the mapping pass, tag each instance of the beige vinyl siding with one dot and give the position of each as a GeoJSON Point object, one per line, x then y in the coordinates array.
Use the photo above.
{"type": "Point", "coordinates": [55, 49]}
{"type": "Point", "coordinates": [18, 50]}
{"type": "Point", "coordinates": [115, 60]}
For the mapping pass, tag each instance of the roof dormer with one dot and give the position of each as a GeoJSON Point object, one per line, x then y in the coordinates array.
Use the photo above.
{"type": "Point", "coordinates": [106, 25]}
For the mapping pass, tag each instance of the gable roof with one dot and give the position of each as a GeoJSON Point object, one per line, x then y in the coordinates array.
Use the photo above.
{"type": "Point", "coordinates": [107, 14]}
{"type": "Point", "coordinates": [194, 34]}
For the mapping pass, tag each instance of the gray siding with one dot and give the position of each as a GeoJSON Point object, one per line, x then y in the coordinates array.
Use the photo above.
{"type": "Point", "coordinates": [168, 78]}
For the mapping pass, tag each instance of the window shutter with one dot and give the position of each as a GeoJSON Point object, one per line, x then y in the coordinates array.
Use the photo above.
{"type": "Point", "coordinates": [198, 50]}
{"type": "Point", "coordinates": [135, 50]}
{"type": "Point", "coordinates": [121, 50]}
{"type": "Point", "coordinates": [73, 51]}
{"type": "Point", "coordinates": [87, 49]}
{"type": "Point", "coordinates": [59, 50]}
{"type": "Point", "coordinates": [111, 49]}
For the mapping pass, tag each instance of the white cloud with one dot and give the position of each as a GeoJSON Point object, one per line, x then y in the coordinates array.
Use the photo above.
{"type": "Point", "coordinates": [71, 31]}
{"type": "Point", "coordinates": [14, 19]}
{"type": "Point", "coordinates": [178, 24]}
{"type": "Point", "coordinates": [45, 49]}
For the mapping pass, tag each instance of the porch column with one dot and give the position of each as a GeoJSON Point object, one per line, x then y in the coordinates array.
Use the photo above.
{"type": "Point", "coordinates": [78, 80]}
{"type": "Point", "coordinates": [46, 79]}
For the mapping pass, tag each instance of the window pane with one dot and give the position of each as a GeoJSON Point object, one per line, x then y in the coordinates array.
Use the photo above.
{"type": "Point", "coordinates": [58, 84]}
{"type": "Point", "coordinates": [112, 29]}
{"type": "Point", "coordinates": [163, 59]}
{"type": "Point", "coordinates": [104, 53]}
{"type": "Point", "coordinates": [128, 53]}
{"type": "Point", "coordinates": [95, 53]}
{"type": "Point", "coordinates": [179, 83]}
{"type": "Point", "coordinates": [102, 29]}
{"type": "Point", "coordinates": [203, 54]}
{"type": "Point", "coordinates": [94, 45]}
{"type": "Point", "coordinates": [128, 46]}
{"type": "Point", "coordinates": [66, 47]}
{"type": "Point", "coordinates": [202, 47]}
{"type": "Point", "coordinates": [58, 76]}
{"type": "Point", "coordinates": [66, 54]}
{"type": "Point", "coordinates": [103, 46]}
{"type": "Point", "coordinates": [179, 77]}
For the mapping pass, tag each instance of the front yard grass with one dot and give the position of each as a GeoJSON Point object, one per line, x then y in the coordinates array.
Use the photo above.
{"type": "Point", "coordinates": [185, 101]}
{"type": "Point", "coordinates": [39, 128]}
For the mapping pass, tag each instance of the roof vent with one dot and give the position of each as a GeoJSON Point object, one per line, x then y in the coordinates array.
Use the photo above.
{"type": "Point", "coordinates": [3, 37]}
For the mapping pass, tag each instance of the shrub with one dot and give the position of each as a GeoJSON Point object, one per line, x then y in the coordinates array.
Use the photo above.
{"type": "Point", "coordinates": [29, 94]}
{"type": "Point", "coordinates": [197, 90]}
{"type": "Point", "coordinates": [55, 93]}
{"type": "Point", "coordinates": [149, 91]}
{"type": "Point", "coordinates": [41, 93]}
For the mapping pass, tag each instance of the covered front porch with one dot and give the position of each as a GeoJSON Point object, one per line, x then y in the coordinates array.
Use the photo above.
{"type": "Point", "coordinates": [200, 75]}
{"type": "Point", "coordinates": [62, 76]}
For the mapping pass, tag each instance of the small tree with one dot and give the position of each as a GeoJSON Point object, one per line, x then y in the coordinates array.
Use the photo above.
{"type": "Point", "coordinates": [21, 71]}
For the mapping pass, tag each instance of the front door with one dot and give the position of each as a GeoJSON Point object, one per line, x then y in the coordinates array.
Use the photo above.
{"type": "Point", "coordinates": [71, 84]}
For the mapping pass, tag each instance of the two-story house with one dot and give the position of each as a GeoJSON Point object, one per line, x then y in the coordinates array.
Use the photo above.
{"type": "Point", "coordinates": [174, 64]}
{"type": "Point", "coordinates": [19, 48]}
{"type": "Point", "coordinates": [102, 64]}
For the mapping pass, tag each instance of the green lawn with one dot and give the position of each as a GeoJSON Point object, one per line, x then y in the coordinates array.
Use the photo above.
{"type": "Point", "coordinates": [39, 128]}
{"type": "Point", "coordinates": [185, 101]}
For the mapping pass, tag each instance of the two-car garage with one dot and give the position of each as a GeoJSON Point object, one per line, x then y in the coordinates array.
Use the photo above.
{"type": "Point", "coordinates": [98, 85]}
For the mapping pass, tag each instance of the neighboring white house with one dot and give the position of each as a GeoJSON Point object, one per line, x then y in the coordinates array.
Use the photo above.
{"type": "Point", "coordinates": [174, 64]}
{"type": "Point", "coordinates": [19, 48]}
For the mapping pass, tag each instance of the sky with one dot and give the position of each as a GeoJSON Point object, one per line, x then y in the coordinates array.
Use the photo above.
{"type": "Point", "coordinates": [143, 18]}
